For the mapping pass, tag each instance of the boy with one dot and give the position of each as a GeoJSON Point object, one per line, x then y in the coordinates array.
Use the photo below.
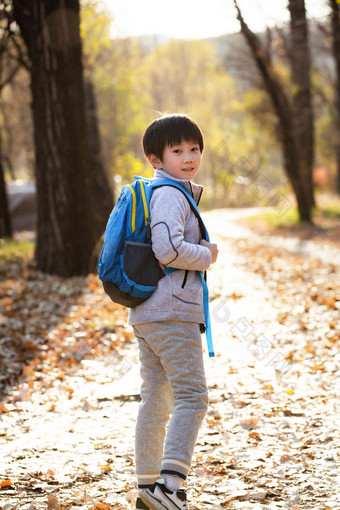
{"type": "Point", "coordinates": [167, 325]}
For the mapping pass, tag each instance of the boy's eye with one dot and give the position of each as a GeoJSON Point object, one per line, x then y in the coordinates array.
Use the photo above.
{"type": "Point", "coordinates": [176, 150]}
{"type": "Point", "coordinates": [194, 149]}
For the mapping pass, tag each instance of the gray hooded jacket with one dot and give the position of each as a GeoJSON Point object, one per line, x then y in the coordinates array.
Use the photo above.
{"type": "Point", "coordinates": [175, 243]}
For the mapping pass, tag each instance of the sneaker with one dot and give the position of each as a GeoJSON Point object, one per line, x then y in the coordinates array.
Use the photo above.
{"type": "Point", "coordinates": [158, 497]}
{"type": "Point", "coordinates": [140, 505]}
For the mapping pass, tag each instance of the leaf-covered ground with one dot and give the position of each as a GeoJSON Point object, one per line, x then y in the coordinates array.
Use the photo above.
{"type": "Point", "coordinates": [69, 375]}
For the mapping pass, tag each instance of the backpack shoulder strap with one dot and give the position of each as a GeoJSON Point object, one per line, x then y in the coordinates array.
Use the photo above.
{"type": "Point", "coordinates": [168, 182]}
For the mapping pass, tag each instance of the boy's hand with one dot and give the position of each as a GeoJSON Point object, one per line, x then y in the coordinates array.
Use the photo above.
{"type": "Point", "coordinates": [213, 250]}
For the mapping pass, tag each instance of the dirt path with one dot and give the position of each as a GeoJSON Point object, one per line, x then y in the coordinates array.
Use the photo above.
{"type": "Point", "coordinates": [223, 222]}
{"type": "Point", "coordinates": [271, 436]}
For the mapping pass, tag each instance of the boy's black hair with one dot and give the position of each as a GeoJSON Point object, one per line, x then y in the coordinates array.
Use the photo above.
{"type": "Point", "coordinates": [170, 130]}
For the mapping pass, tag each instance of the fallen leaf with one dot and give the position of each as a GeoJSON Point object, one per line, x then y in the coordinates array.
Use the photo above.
{"type": "Point", "coordinates": [3, 408]}
{"type": "Point", "coordinates": [239, 495]}
{"type": "Point", "coordinates": [5, 483]}
{"type": "Point", "coordinates": [286, 458]}
{"type": "Point", "coordinates": [249, 424]}
{"type": "Point", "coordinates": [53, 502]}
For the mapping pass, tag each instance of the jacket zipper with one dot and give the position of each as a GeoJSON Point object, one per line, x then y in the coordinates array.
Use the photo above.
{"type": "Point", "coordinates": [185, 278]}
{"type": "Point", "coordinates": [199, 198]}
{"type": "Point", "coordinates": [192, 193]}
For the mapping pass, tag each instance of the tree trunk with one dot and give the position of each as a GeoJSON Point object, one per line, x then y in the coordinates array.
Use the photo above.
{"type": "Point", "coordinates": [285, 114]}
{"type": "Point", "coordinates": [66, 233]}
{"type": "Point", "coordinates": [335, 22]}
{"type": "Point", "coordinates": [5, 219]}
{"type": "Point", "coordinates": [302, 101]}
{"type": "Point", "coordinates": [101, 187]}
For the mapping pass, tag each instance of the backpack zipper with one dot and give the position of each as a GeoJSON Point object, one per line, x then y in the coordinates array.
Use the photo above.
{"type": "Point", "coordinates": [146, 211]}
{"type": "Point", "coordinates": [145, 204]}
{"type": "Point", "coordinates": [133, 212]}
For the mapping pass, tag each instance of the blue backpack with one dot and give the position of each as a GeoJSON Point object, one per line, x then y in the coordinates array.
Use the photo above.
{"type": "Point", "coordinates": [127, 265]}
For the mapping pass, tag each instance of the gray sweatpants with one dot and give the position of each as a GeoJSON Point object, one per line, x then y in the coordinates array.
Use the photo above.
{"type": "Point", "coordinates": [172, 370]}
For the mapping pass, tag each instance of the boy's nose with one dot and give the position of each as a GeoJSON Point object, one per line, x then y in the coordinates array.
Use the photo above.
{"type": "Point", "coordinates": [188, 157]}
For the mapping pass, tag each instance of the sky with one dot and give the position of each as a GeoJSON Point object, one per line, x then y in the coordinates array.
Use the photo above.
{"type": "Point", "coordinates": [196, 19]}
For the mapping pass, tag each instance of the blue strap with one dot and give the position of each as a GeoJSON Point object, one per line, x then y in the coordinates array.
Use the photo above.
{"type": "Point", "coordinates": [207, 316]}
{"type": "Point", "coordinates": [140, 178]}
{"type": "Point", "coordinates": [168, 270]}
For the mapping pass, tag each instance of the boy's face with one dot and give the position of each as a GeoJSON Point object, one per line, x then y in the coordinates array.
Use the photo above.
{"type": "Point", "coordinates": [181, 161]}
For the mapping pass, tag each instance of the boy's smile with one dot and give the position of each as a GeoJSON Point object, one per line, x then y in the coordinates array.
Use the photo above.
{"type": "Point", "coordinates": [181, 161]}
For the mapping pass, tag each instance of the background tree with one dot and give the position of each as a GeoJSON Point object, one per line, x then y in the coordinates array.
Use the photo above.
{"type": "Point", "coordinates": [8, 69]}
{"type": "Point", "coordinates": [5, 220]}
{"type": "Point", "coordinates": [303, 118]}
{"type": "Point", "coordinates": [66, 232]}
{"type": "Point", "coordinates": [335, 24]}
{"type": "Point", "coordinates": [285, 108]}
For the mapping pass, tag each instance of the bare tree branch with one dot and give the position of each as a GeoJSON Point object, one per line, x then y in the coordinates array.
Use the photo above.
{"type": "Point", "coordinates": [22, 56]}
{"type": "Point", "coordinates": [9, 78]}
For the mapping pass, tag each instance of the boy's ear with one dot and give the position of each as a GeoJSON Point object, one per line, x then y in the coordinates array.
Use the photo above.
{"type": "Point", "coordinates": [155, 161]}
